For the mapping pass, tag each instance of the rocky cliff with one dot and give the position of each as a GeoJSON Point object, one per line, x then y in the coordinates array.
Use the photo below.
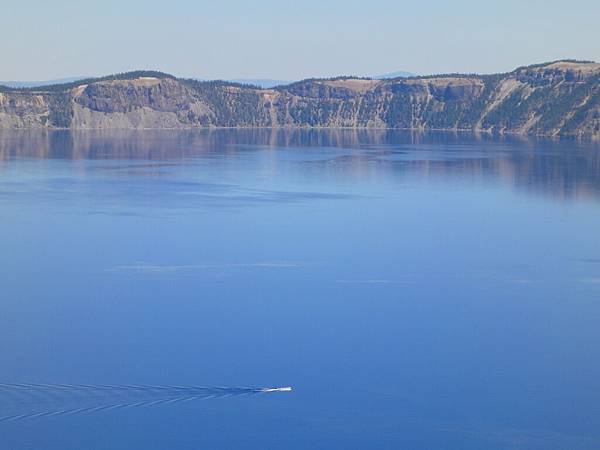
{"type": "Point", "coordinates": [560, 98]}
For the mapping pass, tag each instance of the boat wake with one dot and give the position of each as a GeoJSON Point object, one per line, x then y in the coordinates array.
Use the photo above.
{"type": "Point", "coordinates": [48, 400]}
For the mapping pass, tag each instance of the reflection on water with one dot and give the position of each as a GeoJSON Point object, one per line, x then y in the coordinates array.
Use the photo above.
{"type": "Point", "coordinates": [561, 169]}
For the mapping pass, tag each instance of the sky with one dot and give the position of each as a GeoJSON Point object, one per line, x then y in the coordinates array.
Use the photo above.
{"type": "Point", "coordinates": [42, 40]}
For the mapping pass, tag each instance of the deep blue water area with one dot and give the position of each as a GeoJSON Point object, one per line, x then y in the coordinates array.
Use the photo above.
{"type": "Point", "coordinates": [417, 291]}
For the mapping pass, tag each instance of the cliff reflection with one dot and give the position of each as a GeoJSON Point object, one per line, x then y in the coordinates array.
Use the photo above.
{"type": "Point", "coordinates": [561, 169]}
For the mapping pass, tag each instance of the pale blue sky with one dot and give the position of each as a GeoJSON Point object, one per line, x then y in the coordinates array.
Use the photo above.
{"type": "Point", "coordinates": [291, 40]}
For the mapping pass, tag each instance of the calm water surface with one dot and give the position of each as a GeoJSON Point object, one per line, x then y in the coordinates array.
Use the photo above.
{"type": "Point", "coordinates": [418, 291]}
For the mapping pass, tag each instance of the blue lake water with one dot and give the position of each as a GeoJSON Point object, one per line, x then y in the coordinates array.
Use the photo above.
{"type": "Point", "coordinates": [418, 291]}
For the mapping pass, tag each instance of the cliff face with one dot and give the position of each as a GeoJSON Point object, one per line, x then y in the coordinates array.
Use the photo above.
{"type": "Point", "coordinates": [561, 98]}
{"type": "Point", "coordinates": [23, 110]}
{"type": "Point", "coordinates": [144, 102]}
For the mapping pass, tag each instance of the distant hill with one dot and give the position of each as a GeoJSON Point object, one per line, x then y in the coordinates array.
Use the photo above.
{"type": "Point", "coordinates": [28, 84]}
{"type": "Point", "coordinates": [399, 74]}
{"type": "Point", "coordinates": [560, 98]}
{"type": "Point", "coordinates": [265, 83]}
{"type": "Point", "coordinates": [269, 83]}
